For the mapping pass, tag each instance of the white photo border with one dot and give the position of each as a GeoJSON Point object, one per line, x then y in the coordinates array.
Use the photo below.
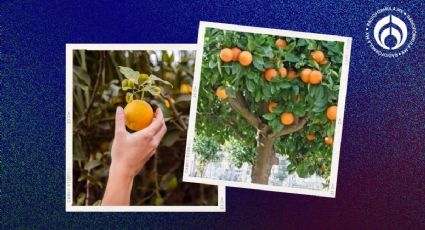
{"type": "Point", "coordinates": [331, 191]}
{"type": "Point", "coordinates": [221, 190]}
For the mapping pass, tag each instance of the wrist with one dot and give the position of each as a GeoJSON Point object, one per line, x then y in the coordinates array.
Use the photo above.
{"type": "Point", "coordinates": [118, 171]}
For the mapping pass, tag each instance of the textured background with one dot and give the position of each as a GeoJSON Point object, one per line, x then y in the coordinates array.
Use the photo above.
{"type": "Point", "coordinates": [382, 165]}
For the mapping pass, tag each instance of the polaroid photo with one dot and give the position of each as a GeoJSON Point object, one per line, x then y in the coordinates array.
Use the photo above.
{"type": "Point", "coordinates": [267, 109]}
{"type": "Point", "coordinates": [101, 77]}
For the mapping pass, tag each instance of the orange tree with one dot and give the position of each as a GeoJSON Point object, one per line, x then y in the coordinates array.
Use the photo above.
{"type": "Point", "coordinates": [99, 86]}
{"type": "Point", "coordinates": [273, 94]}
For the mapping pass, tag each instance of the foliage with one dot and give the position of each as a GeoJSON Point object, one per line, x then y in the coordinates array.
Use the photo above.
{"type": "Point", "coordinates": [219, 121]}
{"type": "Point", "coordinates": [99, 86]}
{"type": "Point", "coordinates": [239, 152]}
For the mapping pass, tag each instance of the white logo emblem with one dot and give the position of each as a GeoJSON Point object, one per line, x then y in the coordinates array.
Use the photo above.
{"type": "Point", "coordinates": [390, 27]}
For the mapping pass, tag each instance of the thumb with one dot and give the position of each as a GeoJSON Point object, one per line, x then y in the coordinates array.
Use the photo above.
{"type": "Point", "coordinates": [120, 122]}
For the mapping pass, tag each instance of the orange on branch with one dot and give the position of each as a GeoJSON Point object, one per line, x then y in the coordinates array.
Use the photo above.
{"type": "Point", "coordinates": [185, 88]}
{"type": "Point", "coordinates": [245, 58]}
{"type": "Point", "coordinates": [315, 77]}
{"type": "Point", "coordinates": [236, 52]}
{"type": "Point", "coordinates": [323, 62]}
{"type": "Point", "coordinates": [281, 43]}
{"type": "Point", "coordinates": [305, 75]}
{"type": "Point", "coordinates": [287, 118]}
{"type": "Point", "coordinates": [318, 56]}
{"type": "Point", "coordinates": [221, 93]}
{"type": "Point", "coordinates": [329, 140]}
{"type": "Point", "coordinates": [331, 112]}
{"type": "Point", "coordinates": [310, 137]}
{"type": "Point", "coordinates": [269, 74]}
{"type": "Point", "coordinates": [292, 74]}
{"type": "Point", "coordinates": [283, 72]}
{"type": "Point", "coordinates": [226, 55]}
{"type": "Point", "coordinates": [138, 115]}
{"type": "Point", "coordinates": [272, 105]}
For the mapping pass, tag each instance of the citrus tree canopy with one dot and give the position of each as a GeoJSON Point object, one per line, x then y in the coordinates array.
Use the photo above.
{"type": "Point", "coordinates": [276, 95]}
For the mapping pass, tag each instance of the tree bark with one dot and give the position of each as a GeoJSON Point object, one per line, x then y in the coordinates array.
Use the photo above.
{"type": "Point", "coordinates": [264, 160]}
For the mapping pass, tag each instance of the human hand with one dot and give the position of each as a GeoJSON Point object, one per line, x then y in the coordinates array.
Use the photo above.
{"type": "Point", "coordinates": [131, 151]}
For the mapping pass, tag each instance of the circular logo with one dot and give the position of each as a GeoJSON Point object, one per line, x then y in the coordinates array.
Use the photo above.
{"type": "Point", "coordinates": [390, 32]}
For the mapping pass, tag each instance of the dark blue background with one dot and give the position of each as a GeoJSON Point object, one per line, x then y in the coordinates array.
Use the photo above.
{"type": "Point", "coordinates": [381, 179]}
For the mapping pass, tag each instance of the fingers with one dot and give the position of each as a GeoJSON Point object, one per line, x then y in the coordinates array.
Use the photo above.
{"type": "Point", "coordinates": [120, 122]}
{"type": "Point", "coordinates": [155, 126]}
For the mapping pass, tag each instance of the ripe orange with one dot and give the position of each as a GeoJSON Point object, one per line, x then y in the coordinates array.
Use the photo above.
{"type": "Point", "coordinates": [138, 115]}
{"type": "Point", "coordinates": [329, 140]}
{"type": "Point", "coordinates": [269, 74]}
{"type": "Point", "coordinates": [236, 52]}
{"type": "Point", "coordinates": [317, 55]}
{"type": "Point", "coordinates": [281, 43]}
{"type": "Point", "coordinates": [245, 58]}
{"type": "Point", "coordinates": [323, 62]}
{"type": "Point", "coordinates": [310, 137]}
{"type": "Point", "coordinates": [331, 112]}
{"type": "Point", "coordinates": [315, 77]}
{"type": "Point", "coordinates": [283, 72]}
{"type": "Point", "coordinates": [305, 75]}
{"type": "Point", "coordinates": [272, 106]}
{"type": "Point", "coordinates": [292, 74]}
{"type": "Point", "coordinates": [287, 118]}
{"type": "Point", "coordinates": [226, 55]}
{"type": "Point", "coordinates": [185, 88]}
{"type": "Point", "coordinates": [221, 93]}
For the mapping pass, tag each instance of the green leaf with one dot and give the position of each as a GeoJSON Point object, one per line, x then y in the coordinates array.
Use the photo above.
{"type": "Point", "coordinates": [170, 138]}
{"type": "Point", "coordinates": [236, 68]}
{"type": "Point", "coordinates": [155, 78]}
{"type": "Point", "coordinates": [92, 164]}
{"type": "Point", "coordinates": [251, 43]}
{"type": "Point", "coordinates": [184, 97]}
{"type": "Point", "coordinates": [258, 62]}
{"type": "Point", "coordinates": [154, 90]}
{"type": "Point", "coordinates": [269, 116]}
{"type": "Point", "coordinates": [129, 97]}
{"type": "Point", "coordinates": [250, 85]}
{"type": "Point", "coordinates": [289, 57]}
{"type": "Point", "coordinates": [129, 73]}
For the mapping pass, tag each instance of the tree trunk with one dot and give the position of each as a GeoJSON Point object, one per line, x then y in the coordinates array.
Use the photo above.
{"type": "Point", "coordinates": [264, 160]}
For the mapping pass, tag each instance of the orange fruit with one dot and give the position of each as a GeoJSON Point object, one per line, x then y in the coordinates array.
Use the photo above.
{"type": "Point", "coordinates": [235, 52]}
{"type": "Point", "coordinates": [317, 55]}
{"type": "Point", "coordinates": [310, 137]}
{"type": "Point", "coordinates": [287, 118]}
{"type": "Point", "coordinates": [315, 77]}
{"type": "Point", "coordinates": [185, 88]}
{"type": "Point", "coordinates": [329, 140]}
{"type": "Point", "coordinates": [272, 105]}
{"type": "Point", "coordinates": [283, 72]}
{"type": "Point", "coordinates": [167, 102]}
{"type": "Point", "coordinates": [292, 74]}
{"type": "Point", "coordinates": [245, 58]}
{"type": "Point", "coordinates": [305, 75]}
{"type": "Point", "coordinates": [281, 43]}
{"type": "Point", "coordinates": [269, 74]}
{"type": "Point", "coordinates": [226, 55]}
{"type": "Point", "coordinates": [331, 112]}
{"type": "Point", "coordinates": [221, 93]}
{"type": "Point", "coordinates": [138, 115]}
{"type": "Point", "coordinates": [323, 62]}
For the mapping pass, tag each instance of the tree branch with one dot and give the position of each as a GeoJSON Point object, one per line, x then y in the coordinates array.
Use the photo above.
{"type": "Point", "coordinates": [298, 124]}
{"type": "Point", "coordinates": [238, 104]}
{"type": "Point", "coordinates": [96, 86]}
{"type": "Point", "coordinates": [177, 113]}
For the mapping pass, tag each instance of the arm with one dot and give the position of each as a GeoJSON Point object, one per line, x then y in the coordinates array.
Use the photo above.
{"type": "Point", "coordinates": [130, 152]}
